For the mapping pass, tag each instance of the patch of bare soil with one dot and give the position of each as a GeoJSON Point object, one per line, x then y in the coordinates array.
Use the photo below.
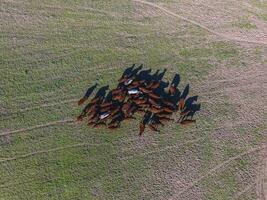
{"type": "Point", "coordinates": [5, 140]}
{"type": "Point", "coordinates": [20, 17]}
{"type": "Point", "coordinates": [218, 19]}
{"type": "Point", "coordinates": [246, 89]}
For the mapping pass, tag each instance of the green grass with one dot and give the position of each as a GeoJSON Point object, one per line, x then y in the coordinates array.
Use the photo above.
{"type": "Point", "coordinates": [51, 51]}
{"type": "Point", "coordinates": [245, 24]}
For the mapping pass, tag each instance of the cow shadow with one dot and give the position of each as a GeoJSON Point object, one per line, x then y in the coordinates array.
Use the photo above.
{"type": "Point", "coordinates": [89, 91]}
{"type": "Point", "coordinates": [132, 71]}
{"type": "Point", "coordinates": [102, 91]}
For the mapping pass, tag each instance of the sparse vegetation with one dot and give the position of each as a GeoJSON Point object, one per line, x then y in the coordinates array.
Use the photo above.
{"type": "Point", "coordinates": [245, 24]}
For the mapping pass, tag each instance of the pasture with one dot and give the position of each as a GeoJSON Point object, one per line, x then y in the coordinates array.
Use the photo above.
{"type": "Point", "coordinates": [52, 50]}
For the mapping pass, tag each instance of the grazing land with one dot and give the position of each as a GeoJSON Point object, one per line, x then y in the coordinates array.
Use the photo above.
{"type": "Point", "coordinates": [52, 50]}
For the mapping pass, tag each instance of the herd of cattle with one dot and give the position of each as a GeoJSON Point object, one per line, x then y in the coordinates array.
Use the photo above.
{"type": "Point", "coordinates": [139, 91]}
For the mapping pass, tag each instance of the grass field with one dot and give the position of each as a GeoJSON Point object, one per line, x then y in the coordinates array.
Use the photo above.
{"type": "Point", "coordinates": [52, 50]}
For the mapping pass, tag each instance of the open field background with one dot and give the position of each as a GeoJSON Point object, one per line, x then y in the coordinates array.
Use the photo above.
{"type": "Point", "coordinates": [52, 50]}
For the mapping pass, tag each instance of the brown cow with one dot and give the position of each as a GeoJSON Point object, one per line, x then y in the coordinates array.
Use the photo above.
{"type": "Point", "coordinates": [172, 90]}
{"type": "Point", "coordinates": [144, 90]}
{"type": "Point", "coordinates": [168, 110]}
{"type": "Point", "coordinates": [117, 115]}
{"type": "Point", "coordinates": [117, 91]}
{"type": "Point", "coordinates": [129, 117]}
{"type": "Point", "coordinates": [155, 85]}
{"type": "Point", "coordinates": [181, 104]}
{"type": "Point", "coordinates": [152, 101]}
{"type": "Point", "coordinates": [126, 106]}
{"type": "Point", "coordinates": [94, 116]}
{"type": "Point", "coordinates": [123, 79]}
{"type": "Point", "coordinates": [121, 97]}
{"type": "Point", "coordinates": [115, 111]}
{"type": "Point", "coordinates": [154, 109]}
{"type": "Point", "coordinates": [168, 103]}
{"type": "Point", "coordinates": [140, 110]}
{"type": "Point", "coordinates": [80, 117]}
{"type": "Point", "coordinates": [185, 112]}
{"type": "Point", "coordinates": [187, 121]}
{"type": "Point", "coordinates": [91, 108]}
{"type": "Point", "coordinates": [91, 114]}
{"type": "Point", "coordinates": [113, 126]}
{"type": "Point", "coordinates": [106, 104]}
{"type": "Point", "coordinates": [98, 124]}
{"type": "Point", "coordinates": [81, 101]}
{"type": "Point", "coordinates": [105, 109]}
{"type": "Point", "coordinates": [141, 128]}
{"type": "Point", "coordinates": [154, 96]}
{"type": "Point", "coordinates": [165, 119]}
{"type": "Point", "coordinates": [90, 123]}
{"type": "Point", "coordinates": [163, 114]}
{"type": "Point", "coordinates": [140, 101]}
{"type": "Point", "coordinates": [95, 100]}
{"type": "Point", "coordinates": [129, 87]}
{"type": "Point", "coordinates": [152, 127]}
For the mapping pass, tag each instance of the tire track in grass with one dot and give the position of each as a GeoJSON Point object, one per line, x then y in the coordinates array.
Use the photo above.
{"type": "Point", "coordinates": [211, 171]}
{"type": "Point", "coordinates": [261, 185]}
{"type": "Point", "coordinates": [47, 151]}
{"type": "Point", "coordinates": [192, 141]}
{"type": "Point", "coordinates": [25, 156]}
{"type": "Point", "coordinates": [54, 123]}
{"type": "Point", "coordinates": [45, 105]}
{"type": "Point", "coordinates": [71, 120]}
{"type": "Point", "coordinates": [101, 144]}
{"type": "Point", "coordinates": [249, 187]}
{"type": "Point", "coordinates": [112, 143]}
{"type": "Point", "coordinates": [165, 148]}
{"type": "Point", "coordinates": [38, 126]}
{"type": "Point", "coordinates": [198, 24]}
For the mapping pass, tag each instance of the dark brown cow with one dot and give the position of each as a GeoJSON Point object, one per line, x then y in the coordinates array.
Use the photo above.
{"type": "Point", "coordinates": [153, 127]}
